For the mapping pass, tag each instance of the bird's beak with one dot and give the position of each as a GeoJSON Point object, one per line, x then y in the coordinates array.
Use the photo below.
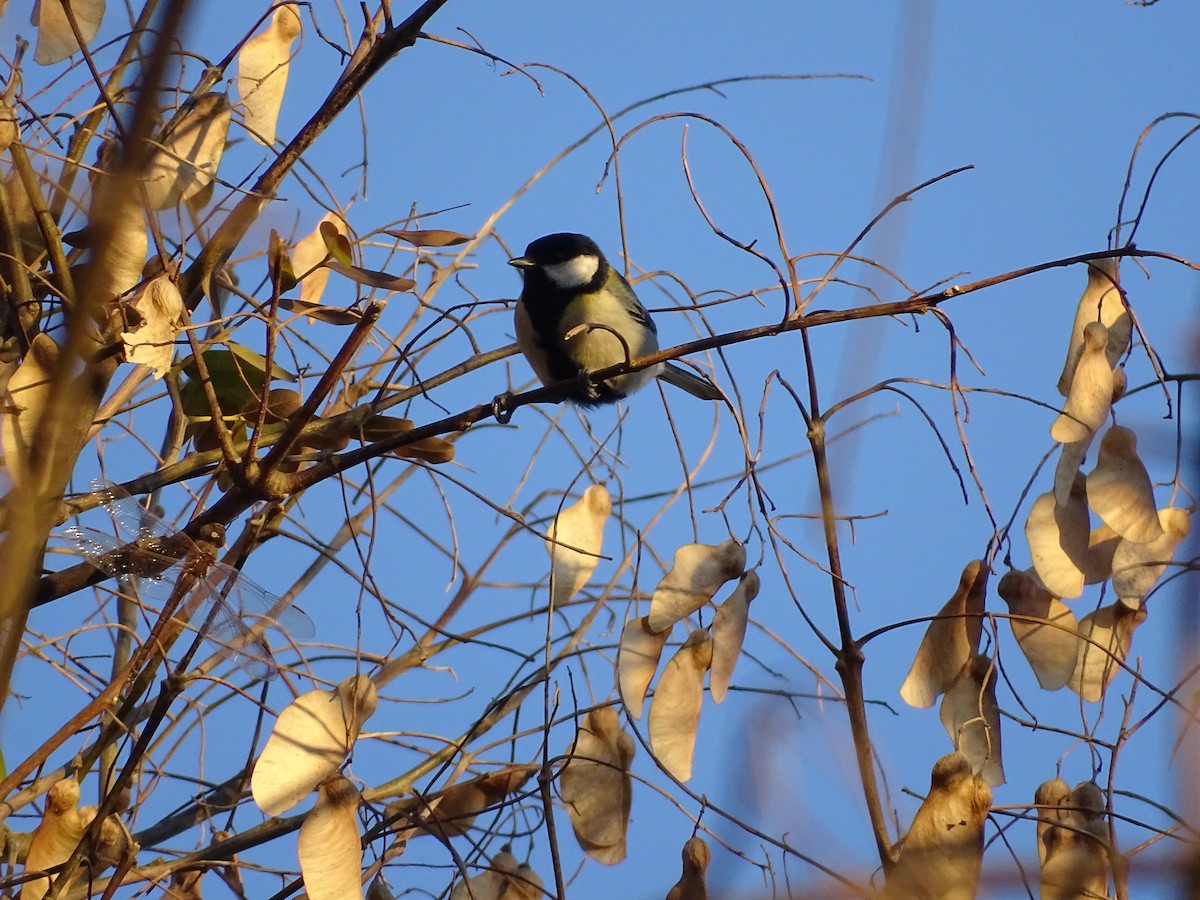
{"type": "Point", "coordinates": [520, 262]}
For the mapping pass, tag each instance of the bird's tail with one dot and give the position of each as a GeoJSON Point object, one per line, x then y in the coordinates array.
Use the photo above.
{"type": "Point", "coordinates": [693, 384]}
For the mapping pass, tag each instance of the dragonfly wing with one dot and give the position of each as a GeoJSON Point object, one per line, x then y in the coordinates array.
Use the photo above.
{"type": "Point", "coordinates": [99, 548]}
{"type": "Point", "coordinates": [295, 623]}
{"type": "Point", "coordinates": [222, 600]}
{"type": "Point", "coordinates": [93, 544]}
{"type": "Point", "coordinates": [237, 610]}
{"type": "Point", "coordinates": [258, 605]}
{"type": "Point", "coordinates": [132, 519]}
{"type": "Point", "coordinates": [225, 630]}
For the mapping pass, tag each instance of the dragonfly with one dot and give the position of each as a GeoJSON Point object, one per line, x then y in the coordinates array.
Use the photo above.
{"type": "Point", "coordinates": [233, 609]}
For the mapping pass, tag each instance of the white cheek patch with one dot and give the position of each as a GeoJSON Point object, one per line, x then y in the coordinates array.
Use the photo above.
{"type": "Point", "coordinates": [573, 273]}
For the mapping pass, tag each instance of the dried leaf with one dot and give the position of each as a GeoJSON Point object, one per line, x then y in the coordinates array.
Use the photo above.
{"type": "Point", "coordinates": [329, 846]}
{"type": "Point", "coordinates": [25, 221]}
{"type": "Point", "coordinates": [1119, 489]}
{"type": "Point", "coordinates": [1045, 629]}
{"type": "Point", "coordinates": [348, 397]}
{"type": "Point", "coordinates": [1101, 302]}
{"type": "Point", "coordinates": [1047, 798]}
{"type": "Point", "coordinates": [1070, 460]}
{"type": "Point", "coordinates": [28, 394]}
{"type": "Point", "coordinates": [971, 717]}
{"type": "Point", "coordinates": [675, 711]}
{"type": "Point", "coordinates": [263, 72]}
{"type": "Point", "coordinates": [728, 633]}
{"type": "Point", "coordinates": [1090, 396]}
{"type": "Point", "coordinates": [188, 156]}
{"type": "Point", "coordinates": [330, 315]}
{"type": "Point", "coordinates": [56, 836]}
{"type": "Point", "coordinates": [431, 238]}
{"type": "Point", "coordinates": [378, 889]}
{"type": "Point", "coordinates": [185, 885]}
{"type": "Point", "coordinates": [282, 404]}
{"type": "Point", "coordinates": [949, 641]}
{"type": "Point", "coordinates": [1058, 540]}
{"type": "Point", "coordinates": [202, 198]}
{"type": "Point", "coordinates": [452, 812]}
{"type": "Point", "coordinates": [637, 661]}
{"type": "Point", "coordinates": [160, 308]}
{"type": "Point", "coordinates": [596, 787]}
{"type": "Point", "coordinates": [127, 243]}
{"type": "Point", "coordinates": [431, 449]}
{"type": "Point", "coordinates": [698, 572]}
{"type": "Point", "coordinates": [311, 738]}
{"type": "Point", "coordinates": [10, 128]}
{"type": "Point", "coordinates": [1136, 567]}
{"type": "Point", "coordinates": [373, 277]}
{"type": "Point", "coordinates": [1120, 383]}
{"type": "Point", "coordinates": [574, 541]}
{"type": "Point", "coordinates": [113, 842]}
{"type": "Point", "coordinates": [434, 450]}
{"type": "Point", "coordinates": [942, 854]}
{"type": "Point", "coordinates": [379, 427]}
{"type": "Point", "coordinates": [1105, 638]}
{"type": "Point", "coordinates": [1072, 841]}
{"type": "Point", "coordinates": [693, 883]}
{"type": "Point", "coordinates": [1098, 564]}
{"type": "Point", "coordinates": [506, 880]}
{"type": "Point", "coordinates": [56, 39]}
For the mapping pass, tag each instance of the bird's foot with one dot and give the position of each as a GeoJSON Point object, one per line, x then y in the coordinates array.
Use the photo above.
{"type": "Point", "coordinates": [589, 388]}
{"type": "Point", "coordinates": [502, 407]}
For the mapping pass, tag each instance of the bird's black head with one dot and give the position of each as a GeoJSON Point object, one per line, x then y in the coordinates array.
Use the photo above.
{"type": "Point", "coordinates": [560, 247]}
{"type": "Point", "coordinates": [568, 261]}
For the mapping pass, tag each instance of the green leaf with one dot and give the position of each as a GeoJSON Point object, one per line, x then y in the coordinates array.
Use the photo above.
{"type": "Point", "coordinates": [279, 264]}
{"type": "Point", "coordinates": [237, 358]}
{"type": "Point", "coordinates": [336, 243]}
{"type": "Point", "coordinates": [237, 374]}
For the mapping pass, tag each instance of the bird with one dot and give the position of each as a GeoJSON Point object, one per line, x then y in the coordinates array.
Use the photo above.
{"type": "Point", "coordinates": [578, 314]}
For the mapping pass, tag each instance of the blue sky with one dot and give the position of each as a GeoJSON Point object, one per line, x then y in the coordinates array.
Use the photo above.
{"type": "Point", "coordinates": [1044, 101]}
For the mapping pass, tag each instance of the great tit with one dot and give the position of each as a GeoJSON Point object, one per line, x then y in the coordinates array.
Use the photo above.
{"type": "Point", "coordinates": [570, 289]}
